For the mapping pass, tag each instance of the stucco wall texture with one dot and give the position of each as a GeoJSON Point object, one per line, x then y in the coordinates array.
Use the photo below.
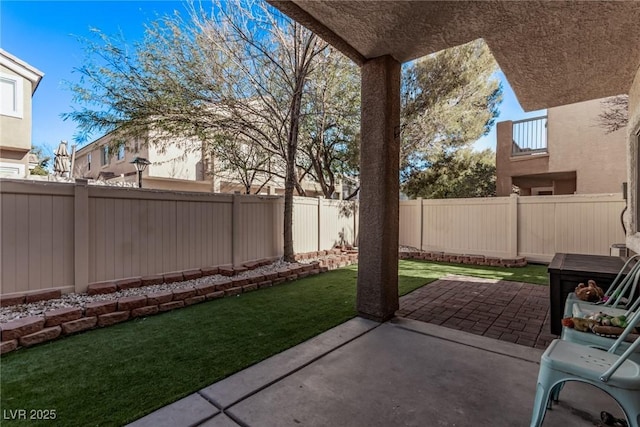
{"type": "Point", "coordinates": [578, 143]}
{"type": "Point", "coordinates": [542, 46]}
{"type": "Point", "coordinates": [16, 132]}
{"type": "Point", "coordinates": [118, 167]}
{"type": "Point", "coordinates": [633, 140]}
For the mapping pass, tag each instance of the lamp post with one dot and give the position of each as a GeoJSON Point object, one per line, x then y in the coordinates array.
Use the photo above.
{"type": "Point", "coordinates": [141, 164]}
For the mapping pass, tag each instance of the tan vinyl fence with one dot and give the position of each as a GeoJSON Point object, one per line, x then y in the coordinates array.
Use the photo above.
{"type": "Point", "coordinates": [535, 227]}
{"type": "Point", "coordinates": [59, 235]}
{"type": "Point", "coordinates": [320, 224]}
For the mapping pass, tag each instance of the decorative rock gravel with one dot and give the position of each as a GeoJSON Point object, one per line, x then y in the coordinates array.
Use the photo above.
{"type": "Point", "coordinates": [51, 314]}
{"type": "Point", "coordinates": [96, 305]}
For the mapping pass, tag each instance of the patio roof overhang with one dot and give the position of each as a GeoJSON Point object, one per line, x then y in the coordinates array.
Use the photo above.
{"type": "Point", "coordinates": [552, 52]}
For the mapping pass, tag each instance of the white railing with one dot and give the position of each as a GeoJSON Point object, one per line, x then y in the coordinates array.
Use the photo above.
{"type": "Point", "coordinates": [529, 136]}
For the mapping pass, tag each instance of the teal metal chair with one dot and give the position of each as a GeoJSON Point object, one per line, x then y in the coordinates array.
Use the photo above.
{"type": "Point", "coordinates": [615, 374]}
{"type": "Point", "coordinates": [578, 308]}
{"type": "Point", "coordinates": [623, 285]}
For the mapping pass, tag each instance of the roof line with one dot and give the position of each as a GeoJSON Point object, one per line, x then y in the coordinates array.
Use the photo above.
{"type": "Point", "coordinates": [303, 17]}
{"type": "Point", "coordinates": [17, 65]}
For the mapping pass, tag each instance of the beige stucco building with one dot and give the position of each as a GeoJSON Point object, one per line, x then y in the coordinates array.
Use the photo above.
{"type": "Point", "coordinates": [18, 82]}
{"type": "Point", "coordinates": [182, 165]}
{"type": "Point", "coordinates": [177, 167]}
{"type": "Point", "coordinates": [564, 152]}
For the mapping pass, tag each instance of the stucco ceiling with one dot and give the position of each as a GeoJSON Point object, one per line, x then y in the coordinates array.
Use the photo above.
{"type": "Point", "coordinates": [552, 52]}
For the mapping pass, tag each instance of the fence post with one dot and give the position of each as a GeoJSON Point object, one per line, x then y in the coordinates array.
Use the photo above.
{"type": "Point", "coordinates": [319, 223]}
{"type": "Point", "coordinates": [512, 232]}
{"type": "Point", "coordinates": [236, 230]}
{"type": "Point", "coordinates": [421, 223]}
{"type": "Point", "coordinates": [81, 236]}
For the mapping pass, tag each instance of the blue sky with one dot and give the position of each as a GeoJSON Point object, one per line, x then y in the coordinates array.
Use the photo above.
{"type": "Point", "coordinates": [44, 34]}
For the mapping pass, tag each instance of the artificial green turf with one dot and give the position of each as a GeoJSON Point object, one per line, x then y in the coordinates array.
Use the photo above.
{"type": "Point", "coordinates": [532, 273]}
{"type": "Point", "coordinates": [115, 375]}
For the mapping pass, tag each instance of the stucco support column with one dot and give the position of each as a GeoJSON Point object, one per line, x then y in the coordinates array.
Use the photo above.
{"type": "Point", "coordinates": [379, 189]}
{"type": "Point", "coordinates": [504, 132]}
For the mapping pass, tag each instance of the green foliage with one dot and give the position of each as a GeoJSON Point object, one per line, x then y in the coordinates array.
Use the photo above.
{"type": "Point", "coordinates": [42, 168]}
{"type": "Point", "coordinates": [239, 69]}
{"type": "Point", "coordinates": [458, 174]}
{"type": "Point", "coordinates": [330, 125]}
{"type": "Point", "coordinates": [449, 100]}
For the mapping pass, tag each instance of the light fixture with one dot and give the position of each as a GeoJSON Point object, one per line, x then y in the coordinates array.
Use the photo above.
{"type": "Point", "coordinates": [141, 164]}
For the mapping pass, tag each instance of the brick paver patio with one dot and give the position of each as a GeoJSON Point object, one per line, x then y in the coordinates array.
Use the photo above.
{"type": "Point", "coordinates": [509, 311]}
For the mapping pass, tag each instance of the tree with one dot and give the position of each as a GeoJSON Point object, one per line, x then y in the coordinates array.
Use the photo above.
{"type": "Point", "coordinates": [459, 174]}
{"type": "Point", "coordinates": [43, 162]}
{"type": "Point", "coordinates": [449, 100]}
{"type": "Point", "coordinates": [245, 162]}
{"type": "Point", "coordinates": [331, 123]}
{"type": "Point", "coordinates": [240, 69]}
{"type": "Point", "coordinates": [615, 114]}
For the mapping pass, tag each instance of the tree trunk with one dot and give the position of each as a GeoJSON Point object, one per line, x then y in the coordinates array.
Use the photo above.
{"type": "Point", "coordinates": [290, 179]}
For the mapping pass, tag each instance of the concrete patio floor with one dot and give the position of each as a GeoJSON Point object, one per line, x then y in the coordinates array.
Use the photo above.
{"type": "Point", "coordinates": [399, 373]}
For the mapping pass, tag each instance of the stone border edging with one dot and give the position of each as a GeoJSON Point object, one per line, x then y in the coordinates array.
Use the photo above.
{"type": "Point", "coordinates": [29, 331]}
{"type": "Point", "coordinates": [32, 330]}
{"type": "Point", "coordinates": [465, 259]}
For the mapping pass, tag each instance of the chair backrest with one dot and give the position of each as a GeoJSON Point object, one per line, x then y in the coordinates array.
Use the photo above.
{"type": "Point", "coordinates": [620, 284]}
{"type": "Point", "coordinates": [633, 321]}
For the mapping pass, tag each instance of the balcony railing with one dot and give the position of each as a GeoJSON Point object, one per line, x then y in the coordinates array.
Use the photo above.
{"type": "Point", "coordinates": [529, 136]}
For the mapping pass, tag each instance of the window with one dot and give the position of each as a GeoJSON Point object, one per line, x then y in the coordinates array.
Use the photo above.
{"type": "Point", "coordinates": [10, 95]}
{"type": "Point", "coordinates": [104, 158]}
{"type": "Point", "coordinates": [12, 170]}
{"type": "Point", "coordinates": [120, 154]}
{"type": "Point", "coordinates": [89, 161]}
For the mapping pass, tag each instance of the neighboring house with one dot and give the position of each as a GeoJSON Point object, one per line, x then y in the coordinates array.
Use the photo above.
{"type": "Point", "coordinates": [173, 167]}
{"type": "Point", "coordinates": [18, 82]}
{"type": "Point", "coordinates": [564, 152]}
